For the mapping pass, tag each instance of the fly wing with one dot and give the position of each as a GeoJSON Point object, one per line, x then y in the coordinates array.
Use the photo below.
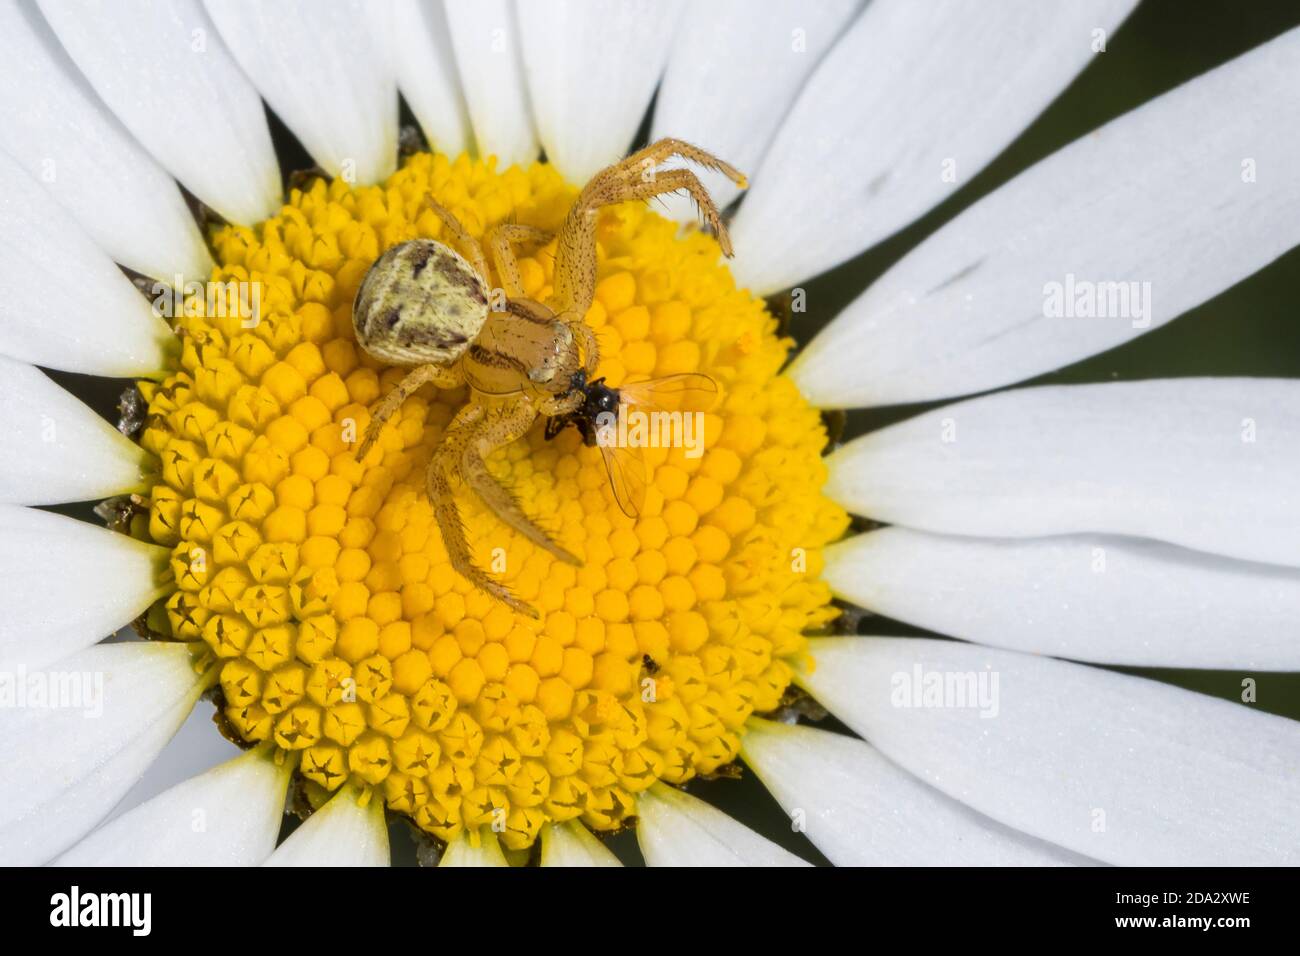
{"type": "Point", "coordinates": [627, 477]}
{"type": "Point", "coordinates": [687, 392]}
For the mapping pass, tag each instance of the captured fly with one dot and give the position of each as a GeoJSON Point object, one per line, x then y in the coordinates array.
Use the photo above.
{"type": "Point", "coordinates": [602, 413]}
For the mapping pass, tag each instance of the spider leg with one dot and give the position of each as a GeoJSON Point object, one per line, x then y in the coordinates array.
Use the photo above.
{"type": "Point", "coordinates": [553, 406]}
{"type": "Point", "coordinates": [503, 256]}
{"type": "Point", "coordinates": [643, 161]}
{"type": "Point", "coordinates": [633, 178]}
{"type": "Point", "coordinates": [493, 432]}
{"type": "Point", "coordinates": [439, 375]}
{"type": "Point", "coordinates": [672, 180]}
{"type": "Point", "coordinates": [590, 346]}
{"type": "Point", "coordinates": [461, 433]}
{"type": "Point", "coordinates": [473, 248]}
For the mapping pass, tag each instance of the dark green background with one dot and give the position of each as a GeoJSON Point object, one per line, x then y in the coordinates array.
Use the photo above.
{"type": "Point", "coordinates": [1252, 329]}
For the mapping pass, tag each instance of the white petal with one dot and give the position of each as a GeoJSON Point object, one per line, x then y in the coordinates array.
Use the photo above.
{"type": "Point", "coordinates": [66, 584]}
{"type": "Point", "coordinates": [197, 747]}
{"type": "Point", "coordinates": [676, 829]}
{"type": "Point", "coordinates": [61, 133]}
{"type": "Point", "coordinates": [484, 34]}
{"type": "Point", "coordinates": [734, 69]}
{"type": "Point", "coordinates": [1205, 197]}
{"type": "Point", "coordinates": [592, 67]}
{"type": "Point", "coordinates": [572, 844]}
{"type": "Point", "coordinates": [426, 72]}
{"type": "Point", "coordinates": [1118, 768]}
{"type": "Point", "coordinates": [462, 852]}
{"type": "Point", "coordinates": [56, 449]}
{"type": "Point", "coordinates": [341, 833]}
{"type": "Point", "coordinates": [910, 105]}
{"type": "Point", "coordinates": [229, 816]}
{"type": "Point", "coordinates": [65, 767]}
{"type": "Point", "coordinates": [1088, 597]}
{"type": "Point", "coordinates": [164, 71]}
{"type": "Point", "coordinates": [861, 810]}
{"type": "Point", "coordinates": [65, 304]}
{"type": "Point", "coordinates": [321, 68]}
{"type": "Point", "coordinates": [1206, 463]}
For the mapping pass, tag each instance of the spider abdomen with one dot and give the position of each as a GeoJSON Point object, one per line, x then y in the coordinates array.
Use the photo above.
{"type": "Point", "coordinates": [420, 303]}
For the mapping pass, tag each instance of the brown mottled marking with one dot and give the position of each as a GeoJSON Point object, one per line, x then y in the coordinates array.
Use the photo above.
{"type": "Point", "coordinates": [419, 303]}
{"type": "Point", "coordinates": [470, 282]}
{"type": "Point", "coordinates": [419, 259]}
{"type": "Point", "coordinates": [530, 311]}
{"type": "Point", "coordinates": [495, 359]}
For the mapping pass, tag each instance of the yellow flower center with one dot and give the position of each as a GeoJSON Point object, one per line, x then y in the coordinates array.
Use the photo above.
{"type": "Point", "coordinates": [320, 586]}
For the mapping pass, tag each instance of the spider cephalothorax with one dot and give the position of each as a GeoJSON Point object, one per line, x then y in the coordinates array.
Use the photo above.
{"type": "Point", "coordinates": [424, 305]}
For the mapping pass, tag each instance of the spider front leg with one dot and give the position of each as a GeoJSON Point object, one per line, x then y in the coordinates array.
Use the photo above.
{"type": "Point", "coordinates": [645, 160]}
{"type": "Point", "coordinates": [441, 376]}
{"type": "Point", "coordinates": [590, 350]}
{"type": "Point", "coordinates": [474, 434]}
{"type": "Point", "coordinates": [443, 499]}
{"type": "Point", "coordinates": [634, 178]}
{"type": "Point", "coordinates": [554, 406]}
{"type": "Point", "coordinates": [493, 432]}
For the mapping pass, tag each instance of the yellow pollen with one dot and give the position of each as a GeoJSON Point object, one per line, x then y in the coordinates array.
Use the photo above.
{"type": "Point", "coordinates": [321, 587]}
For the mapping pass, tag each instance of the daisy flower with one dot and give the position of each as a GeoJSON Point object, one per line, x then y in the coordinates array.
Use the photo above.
{"type": "Point", "coordinates": [305, 602]}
